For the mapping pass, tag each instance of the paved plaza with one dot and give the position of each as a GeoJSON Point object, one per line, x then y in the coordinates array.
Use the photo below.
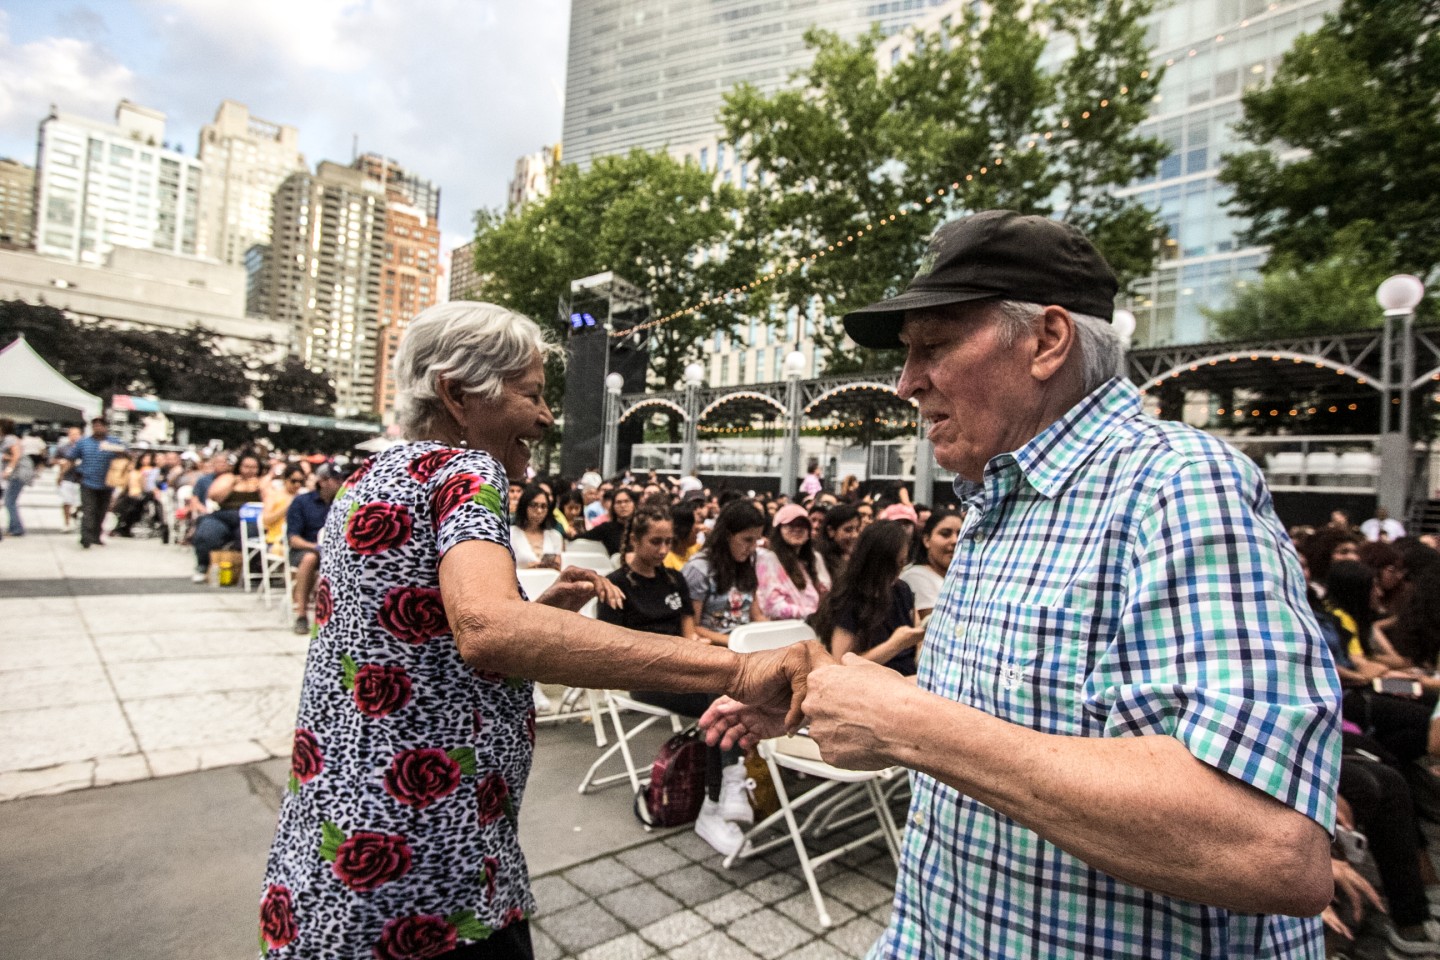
{"type": "Point", "coordinates": [148, 727]}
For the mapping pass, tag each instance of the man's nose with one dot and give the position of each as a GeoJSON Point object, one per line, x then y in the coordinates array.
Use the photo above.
{"type": "Point", "coordinates": [911, 380]}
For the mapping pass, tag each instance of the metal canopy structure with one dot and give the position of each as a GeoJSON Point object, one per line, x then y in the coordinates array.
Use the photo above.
{"type": "Point", "coordinates": [1354, 364]}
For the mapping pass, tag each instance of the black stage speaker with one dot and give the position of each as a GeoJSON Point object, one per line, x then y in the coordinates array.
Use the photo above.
{"type": "Point", "coordinates": [581, 444]}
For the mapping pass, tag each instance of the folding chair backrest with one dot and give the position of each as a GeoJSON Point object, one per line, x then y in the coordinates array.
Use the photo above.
{"type": "Point", "coordinates": [593, 548]}
{"type": "Point", "coordinates": [754, 637]}
{"type": "Point", "coordinates": [537, 581]}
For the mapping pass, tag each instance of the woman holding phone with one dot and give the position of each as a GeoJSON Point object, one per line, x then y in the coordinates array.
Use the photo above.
{"type": "Point", "coordinates": [534, 538]}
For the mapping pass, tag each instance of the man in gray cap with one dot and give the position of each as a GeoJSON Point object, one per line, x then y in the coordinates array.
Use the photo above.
{"type": "Point", "coordinates": [1124, 728]}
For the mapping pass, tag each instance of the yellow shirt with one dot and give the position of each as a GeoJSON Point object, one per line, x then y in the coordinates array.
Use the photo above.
{"type": "Point", "coordinates": [673, 560]}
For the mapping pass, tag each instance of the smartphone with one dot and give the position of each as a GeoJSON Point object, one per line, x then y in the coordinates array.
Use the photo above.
{"type": "Point", "coordinates": [1354, 844]}
{"type": "Point", "coordinates": [1398, 686]}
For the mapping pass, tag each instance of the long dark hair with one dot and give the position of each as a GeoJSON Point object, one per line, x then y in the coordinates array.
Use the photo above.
{"type": "Point", "coordinates": [1348, 588]}
{"type": "Point", "coordinates": [1415, 634]}
{"type": "Point", "coordinates": [734, 518]}
{"type": "Point", "coordinates": [522, 509]}
{"type": "Point", "coordinates": [867, 582]}
{"type": "Point", "coordinates": [835, 518]}
{"type": "Point", "coordinates": [799, 565]}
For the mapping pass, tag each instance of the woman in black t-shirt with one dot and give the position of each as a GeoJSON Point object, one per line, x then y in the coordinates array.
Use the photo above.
{"type": "Point", "coordinates": [871, 611]}
{"type": "Point", "coordinates": [657, 600]}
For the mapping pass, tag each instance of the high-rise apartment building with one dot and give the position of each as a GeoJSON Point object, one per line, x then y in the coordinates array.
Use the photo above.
{"type": "Point", "coordinates": [17, 203]}
{"type": "Point", "coordinates": [245, 160]}
{"type": "Point", "coordinates": [532, 177]}
{"type": "Point", "coordinates": [102, 185]}
{"type": "Point", "coordinates": [464, 281]}
{"type": "Point", "coordinates": [323, 279]}
{"type": "Point", "coordinates": [651, 73]}
{"type": "Point", "coordinates": [410, 274]}
{"type": "Point", "coordinates": [409, 282]}
{"type": "Point", "coordinates": [417, 191]}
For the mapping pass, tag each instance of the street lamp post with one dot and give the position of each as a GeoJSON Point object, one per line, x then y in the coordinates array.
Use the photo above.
{"type": "Point", "coordinates": [614, 383]}
{"type": "Point", "coordinates": [1398, 296]}
{"type": "Point", "coordinates": [694, 376]}
{"type": "Point", "coordinates": [794, 369]}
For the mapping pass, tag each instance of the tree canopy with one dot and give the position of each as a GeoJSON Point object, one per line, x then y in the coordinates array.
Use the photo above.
{"type": "Point", "coordinates": [663, 225]}
{"type": "Point", "coordinates": [851, 149]}
{"type": "Point", "coordinates": [1347, 136]}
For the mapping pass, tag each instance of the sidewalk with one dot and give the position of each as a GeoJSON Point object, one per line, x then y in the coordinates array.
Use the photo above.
{"type": "Point", "coordinates": [115, 667]}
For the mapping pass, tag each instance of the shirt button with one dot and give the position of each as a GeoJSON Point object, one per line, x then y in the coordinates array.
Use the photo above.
{"type": "Point", "coordinates": [918, 819]}
{"type": "Point", "coordinates": [979, 538]}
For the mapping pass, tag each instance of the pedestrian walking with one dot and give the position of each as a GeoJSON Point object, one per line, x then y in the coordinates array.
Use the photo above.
{"type": "Point", "coordinates": [17, 469]}
{"type": "Point", "coordinates": [94, 455]}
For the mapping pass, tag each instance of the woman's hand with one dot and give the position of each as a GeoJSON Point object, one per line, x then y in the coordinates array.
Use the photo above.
{"type": "Point", "coordinates": [764, 699]}
{"type": "Point", "coordinates": [577, 586]}
{"type": "Point", "coordinates": [906, 637]}
{"type": "Point", "coordinates": [1357, 890]}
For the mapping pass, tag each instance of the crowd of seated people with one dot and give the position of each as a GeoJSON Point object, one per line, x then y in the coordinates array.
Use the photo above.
{"type": "Point", "coordinates": [1377, 602]}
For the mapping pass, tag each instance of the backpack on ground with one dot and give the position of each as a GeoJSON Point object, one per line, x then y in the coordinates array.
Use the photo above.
{"type": "Point", "coordinates": [677, 782]}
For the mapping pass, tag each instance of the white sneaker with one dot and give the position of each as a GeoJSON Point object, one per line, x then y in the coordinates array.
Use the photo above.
{"type": "Point", "coordinates": [735, 794]}
{"type": "Point", "coordinates": [726, 837]}
{"type": "Point", "coordinates": [1427, 945]}
{"type": "Point", "coordinates": [199, 576]}
{"type": "Point", "coordinates": [542, 702]}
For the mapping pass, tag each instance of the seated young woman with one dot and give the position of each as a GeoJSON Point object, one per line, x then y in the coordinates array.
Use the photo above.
{"type": "Point", "coordinates": [871, 611]}
{"type": "Point", "coordinates": [791, 574]}
{"type": "Point", "coordinates": [657, 600]}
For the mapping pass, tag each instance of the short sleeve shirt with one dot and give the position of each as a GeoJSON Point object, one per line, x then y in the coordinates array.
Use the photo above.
{"type": "Point", "coordinates": [1117, 576]}
{"type": "Point", "coordinates": [721, 612]}
{"type": "Point", "coordinates": [900, 614]}
{"type": "Point", "coordinates": [95, 456]}
{"type": "Point", "coordinates": [655, 604]}
{"type": "Point", "coordinates": [306, 516]}
{"type": "Point", "coordinates": [398, 830]}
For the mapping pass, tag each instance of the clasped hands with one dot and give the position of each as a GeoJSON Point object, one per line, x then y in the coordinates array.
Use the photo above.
{"type": "Point", "coordinates": [842, 704]}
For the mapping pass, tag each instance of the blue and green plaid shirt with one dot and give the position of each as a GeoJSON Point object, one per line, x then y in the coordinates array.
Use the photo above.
{"type": "Point", "coordinates": [1117, 576]}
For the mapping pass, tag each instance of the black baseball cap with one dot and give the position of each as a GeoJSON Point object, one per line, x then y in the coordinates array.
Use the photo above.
{"type": "Point", "coordinates": [994, 255]}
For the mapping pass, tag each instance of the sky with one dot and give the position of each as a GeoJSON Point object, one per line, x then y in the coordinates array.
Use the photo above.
{"type": "Point", "coordinates": [455, 90]}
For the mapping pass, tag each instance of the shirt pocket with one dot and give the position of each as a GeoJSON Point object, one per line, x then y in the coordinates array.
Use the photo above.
{"type": "Point", "coordinates": [1026, 663]}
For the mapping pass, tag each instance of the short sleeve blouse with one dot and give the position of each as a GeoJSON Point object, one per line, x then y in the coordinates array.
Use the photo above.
{"type": "Point", "coordinates": [398, 829]}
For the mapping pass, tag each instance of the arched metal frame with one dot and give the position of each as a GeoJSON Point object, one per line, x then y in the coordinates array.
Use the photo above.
{"type": "Point", "coordinates": [653, 405]}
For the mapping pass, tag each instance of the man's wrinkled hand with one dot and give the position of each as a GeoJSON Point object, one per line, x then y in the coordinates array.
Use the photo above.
{"type": "Point", "coordinates": [764, 699]}
{"type": "Point", "coordinates": [844, 706]}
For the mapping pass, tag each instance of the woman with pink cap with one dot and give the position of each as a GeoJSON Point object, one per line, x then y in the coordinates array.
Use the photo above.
{"type": "Point", "coordinates": [791, 574]}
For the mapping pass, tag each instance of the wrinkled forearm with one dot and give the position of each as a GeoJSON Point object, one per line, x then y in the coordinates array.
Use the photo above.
{"type": "Point", "coordinates": [1141, 809]}
{"type": "Point", "coordinates": [542, 643]}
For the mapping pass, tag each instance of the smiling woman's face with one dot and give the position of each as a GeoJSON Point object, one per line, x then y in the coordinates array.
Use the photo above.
{"type": "Point", "coordinates": [505, 426]}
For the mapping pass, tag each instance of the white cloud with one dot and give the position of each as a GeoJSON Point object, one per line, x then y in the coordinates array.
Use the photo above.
{"type": "Point", "coordinates": [76, 75]}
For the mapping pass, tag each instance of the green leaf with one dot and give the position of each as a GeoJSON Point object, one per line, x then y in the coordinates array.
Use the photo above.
{"type": "Point", "coordinates": [515, 683]}
{"type": "Point", "coordinates": [348, 668]}
{"type": "Point", "coordinates": [489, 498]}
{"type": "Point", "coordinates": [468, 926]}
{"type": "Point", "coordinates": [264, 947]}
{"type": "Point", "coordinates": [508, 804]}
{"type": "Point", "coordinates": [465, 756]}
{"type": "Point", "coordinates": [331, 838]}
{"type": "Point", "coordinates": [294, 784]}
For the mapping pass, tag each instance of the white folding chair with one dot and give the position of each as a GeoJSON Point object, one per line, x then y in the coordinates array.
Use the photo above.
{"type": "Point", "coordinates": [837, 787]}
{"type": "Point", "coordinates": [615, 701]}
{"type": "Point", "coordinates": [535, 582]}
{"type": "Point", "coordinates": [253, 545]}
{"type": "Point", "coordinates": [599, 562]}
{"type": "Point", "coordinates": [583, 548]}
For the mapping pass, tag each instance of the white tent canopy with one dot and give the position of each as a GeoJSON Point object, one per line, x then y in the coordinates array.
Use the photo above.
{"type": "Point", "coordinates": [31, 389]}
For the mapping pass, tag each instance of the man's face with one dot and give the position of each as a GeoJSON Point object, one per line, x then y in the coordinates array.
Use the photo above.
{"type": "Point", "coordinates": [74, 434]}
{"type": "Point", "coordinates": [99, 429]}
{"type": "Point", "coordinates": [327, 488]}
{"type": "Point", "coordinates": [977, 394]}
{"type": "Point", "coordinates": [220, 464]}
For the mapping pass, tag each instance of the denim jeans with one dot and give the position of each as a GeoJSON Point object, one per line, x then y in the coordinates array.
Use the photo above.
{"type": "Point", "coordinates": [13, 486]}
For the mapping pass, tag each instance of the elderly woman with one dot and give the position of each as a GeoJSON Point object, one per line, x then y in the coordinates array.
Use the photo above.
{"type": "Point", "coordinates": [398, 833]}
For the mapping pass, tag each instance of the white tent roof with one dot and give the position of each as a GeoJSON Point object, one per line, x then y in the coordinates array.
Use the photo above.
{"type": "Point", "coordinates": [31, 389]}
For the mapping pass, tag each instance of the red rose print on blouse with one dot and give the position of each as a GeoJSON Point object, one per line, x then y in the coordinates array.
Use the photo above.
{"type": "Point", "coordinates": [367, 860]}
{"type": "Point", "coordinates": [277, 918]}
{"type": "Point", "coordinates": [456, 490]}
{"type": "Point", "coordinates": [494, 798]}
{"type": "Point", "coordinates": [513, 915]}
{"type": "Point", "coordinates": [380, 691]}
{"type": "Point", "coordinates": [324, 602]}
{"type": "Point", "coordinates": [377, 527]}
{"type": "Point", "coordinates": [359, 472]}
{"type": "Point", "coordinates": [413, 614]}
{"type": "Point", "coordinates": [415, 938]}
{"type": "Point", "coordinates": [424, 467]}
{"type": "Point", "coordinates": [306, 760]}
{"type": "Point", "coordinates": [417, 778]}
{"type": "Point", "coordinates": [489, 873]}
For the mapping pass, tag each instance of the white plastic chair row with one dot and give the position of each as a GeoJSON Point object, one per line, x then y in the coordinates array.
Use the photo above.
{"type": "Point", "coordinates": [837, 788]}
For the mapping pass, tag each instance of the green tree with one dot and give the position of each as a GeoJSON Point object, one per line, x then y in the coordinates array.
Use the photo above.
{"type": "Point", "coordinates": [663, 225]}
{"type": "Point", "coordinates": [1347, 134]}
{"type": "Point", "coordinates": [862, 159]}
{"type": "Point", "coordinates": [292, 387]}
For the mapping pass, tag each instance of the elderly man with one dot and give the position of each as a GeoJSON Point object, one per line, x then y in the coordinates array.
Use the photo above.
{"type": "Point", "coordinates": [1125, 721]}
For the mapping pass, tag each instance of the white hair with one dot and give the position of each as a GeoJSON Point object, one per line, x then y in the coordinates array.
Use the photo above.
{"type": "Point", "coordinates": [479, 344]}
{"type": "Point", "coordinates": [1101, 351]}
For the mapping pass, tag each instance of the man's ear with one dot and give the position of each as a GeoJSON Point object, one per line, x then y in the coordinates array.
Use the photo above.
{"type": "Point", "coordinates": [1055, 340]}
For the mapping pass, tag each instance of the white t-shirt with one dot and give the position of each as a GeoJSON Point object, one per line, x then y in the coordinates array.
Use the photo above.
{"type": "Point", "coordinates": [924, 583]}
{"type": "Point", "coordinates": [525, 553]}
{"type": "Point", "coordinates": [1392, 528]}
